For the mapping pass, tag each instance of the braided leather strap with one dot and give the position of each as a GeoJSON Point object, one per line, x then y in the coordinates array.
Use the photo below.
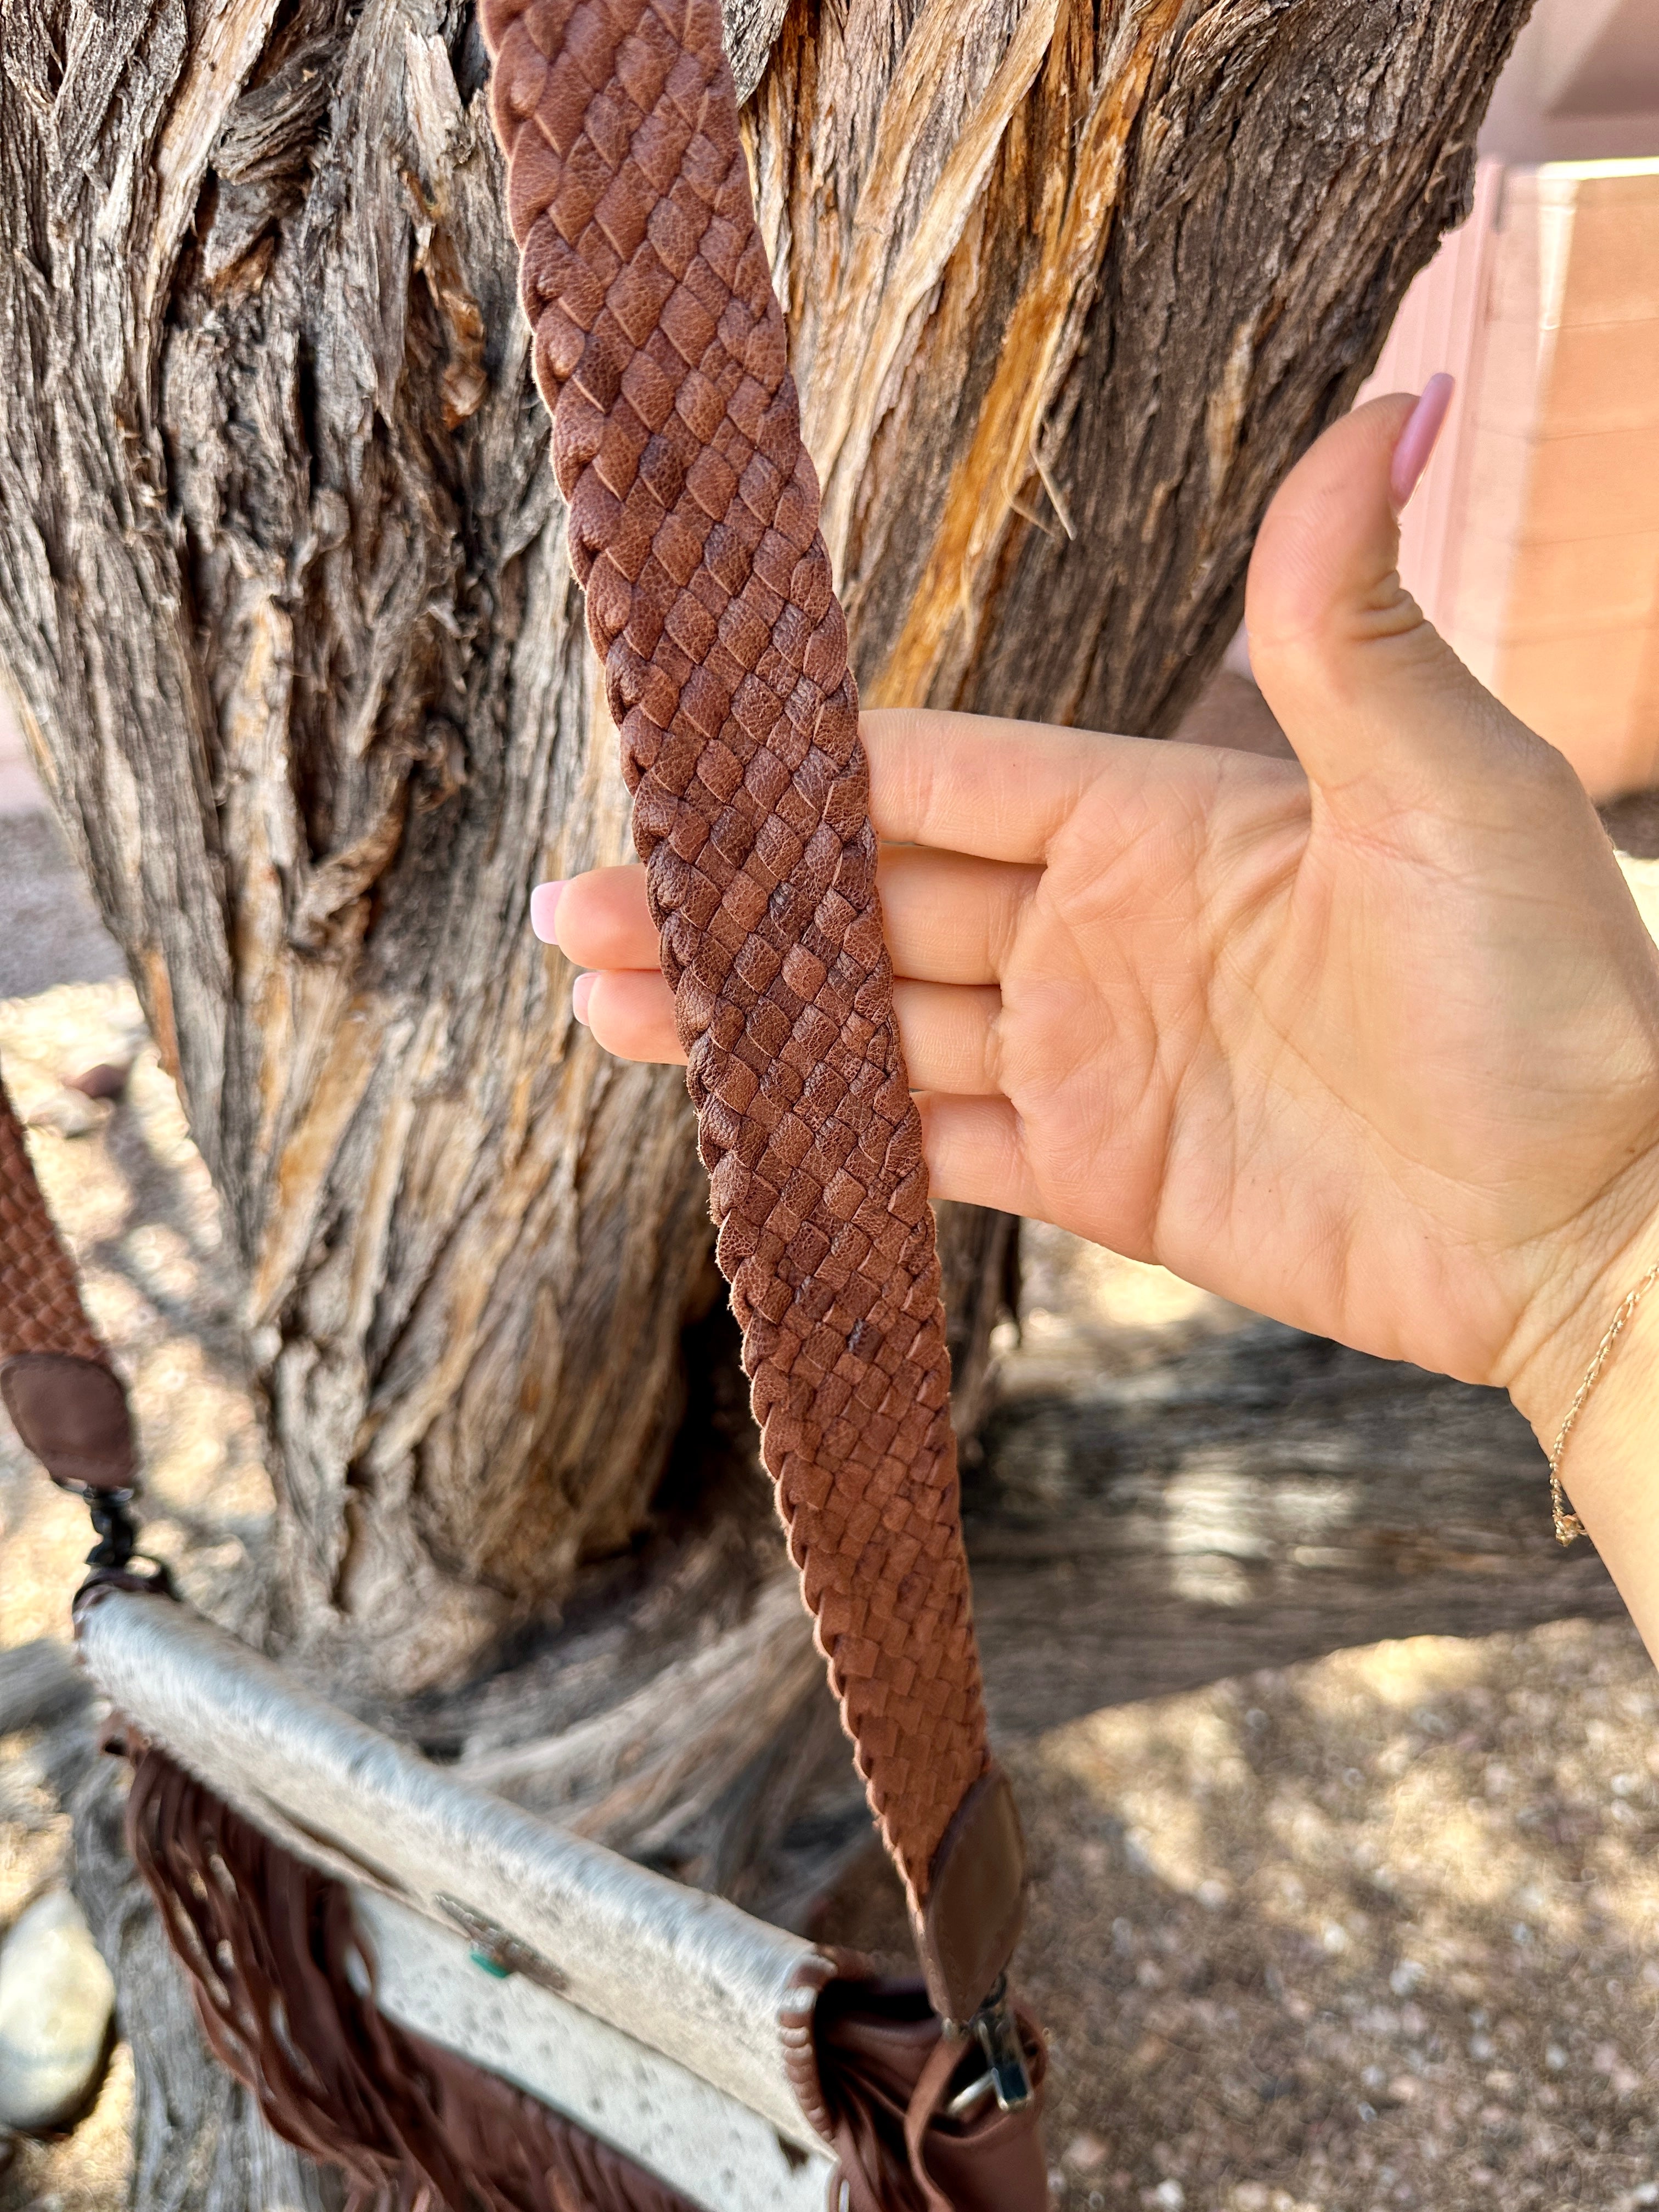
{"type": "Point", "coordinates": [65, 1401]}
{"type": "Point", "coordinates": [661, 350]}
{"type": "Point", "coordinates": [40, 1308]}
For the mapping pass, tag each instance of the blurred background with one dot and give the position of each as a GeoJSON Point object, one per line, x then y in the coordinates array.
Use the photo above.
{"type": "Point", "coordinates": [1535, 544]}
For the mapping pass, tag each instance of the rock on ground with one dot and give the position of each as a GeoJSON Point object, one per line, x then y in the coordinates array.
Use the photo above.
{"type": "Point", "coordinates": [56, 1999]}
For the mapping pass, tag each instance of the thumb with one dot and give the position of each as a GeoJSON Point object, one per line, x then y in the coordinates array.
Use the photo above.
{"type": "Point", "coordinates": [1369, 694]}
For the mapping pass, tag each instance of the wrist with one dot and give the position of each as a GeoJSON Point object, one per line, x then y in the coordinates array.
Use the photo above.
{"type": "Point", "coordinates": [1587, 1273]}
{"type": "Point", "coordinates": [1608, 1469]}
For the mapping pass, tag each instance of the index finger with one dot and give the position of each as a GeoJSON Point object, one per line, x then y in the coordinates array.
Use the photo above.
{"type": "Point", "coordinates": [975, 783]}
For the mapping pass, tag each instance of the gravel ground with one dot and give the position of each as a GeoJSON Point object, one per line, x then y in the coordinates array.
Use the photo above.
{"type": "Point", "coordinates": [1378, 1930]}
{"type": "Point", "coordinates": [1375, 1931]}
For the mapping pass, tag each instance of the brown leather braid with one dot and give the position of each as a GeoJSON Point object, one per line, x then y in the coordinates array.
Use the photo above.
{"type": "Point", "coordinates": [40, 1308]}
{"type": "Point", "coordinates": [660, 351]}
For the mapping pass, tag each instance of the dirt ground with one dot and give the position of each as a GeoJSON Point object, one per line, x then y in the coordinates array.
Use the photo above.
{"type": "Point", "coordinates": [1377, 1930]}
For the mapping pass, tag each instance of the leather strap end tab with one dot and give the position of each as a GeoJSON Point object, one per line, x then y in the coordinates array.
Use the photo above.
{"type": "Point", "coordinates": [72, 1414]}
{"type": "Point", "coordinates": [975, 1905]}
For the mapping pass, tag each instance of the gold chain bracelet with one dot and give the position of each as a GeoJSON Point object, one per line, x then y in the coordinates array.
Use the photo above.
{"type": "Point", "coordinates": [1567, 1524]}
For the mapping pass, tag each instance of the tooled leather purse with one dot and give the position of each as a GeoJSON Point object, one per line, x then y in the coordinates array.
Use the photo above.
{"type": "Point", "coordinates": [661, 350]}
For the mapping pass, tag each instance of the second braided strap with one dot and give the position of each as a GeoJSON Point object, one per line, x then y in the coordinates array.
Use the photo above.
{"type": "Point", "coordinates": [40, 1308]}
{"type": "Point", "coordinates": [65, 1401]}
{"type": "Point", "coordinates": [661, 350]}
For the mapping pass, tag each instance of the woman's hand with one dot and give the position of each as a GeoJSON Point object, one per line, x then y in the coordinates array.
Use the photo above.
{"type": "Point", "coordinates": [1370, 1045]}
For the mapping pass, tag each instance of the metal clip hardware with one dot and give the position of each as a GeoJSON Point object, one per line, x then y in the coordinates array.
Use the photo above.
{"type": "Point", "coordinates": [997, 2033]}
{"type": "Point", "coordinates": [112, 1523]}
{"type": "Point", "coordinates": [115, 1557]}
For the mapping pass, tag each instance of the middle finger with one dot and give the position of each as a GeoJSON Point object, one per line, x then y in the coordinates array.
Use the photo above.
{"type": "Point", "coordinates": [948, 917]}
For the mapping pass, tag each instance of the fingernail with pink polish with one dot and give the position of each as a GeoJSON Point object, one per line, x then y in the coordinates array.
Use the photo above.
{"type": "Point", "coordinates": [581, 992]}
{"type": "Point", "coordinates": [1418, 439]}
{"type": "Point", "coordinates": [544, 909]}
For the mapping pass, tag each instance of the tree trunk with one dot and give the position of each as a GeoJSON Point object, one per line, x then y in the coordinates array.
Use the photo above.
{"type": "Point", "coordinates": [1249, 1503]}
